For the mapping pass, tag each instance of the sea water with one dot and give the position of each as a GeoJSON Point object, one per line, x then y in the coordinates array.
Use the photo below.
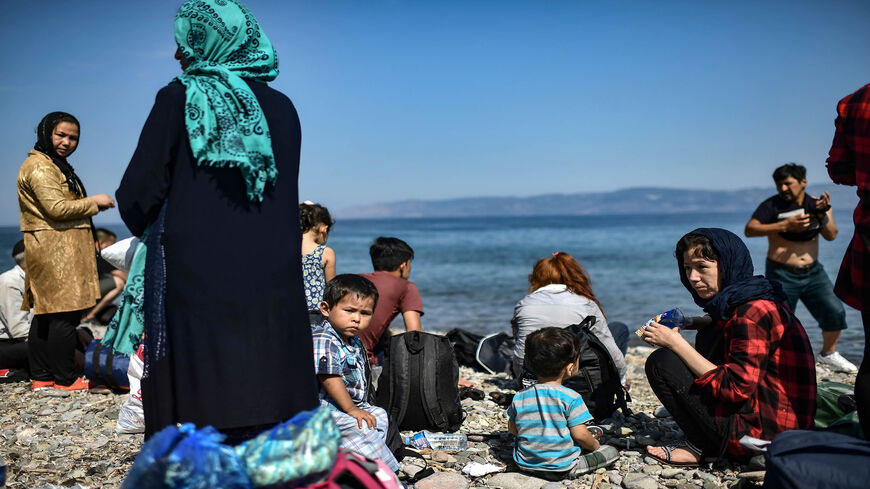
{"type": "Point", "coordinates": [472, 271]}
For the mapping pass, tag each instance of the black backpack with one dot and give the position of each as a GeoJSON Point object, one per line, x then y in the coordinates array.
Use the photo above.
{"type": "Point", "coordinates": [417, 386]}
{"type": "Point", "coordinates": [597, 379]}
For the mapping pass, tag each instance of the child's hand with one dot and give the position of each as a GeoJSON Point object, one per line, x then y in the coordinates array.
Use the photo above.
{"type": "Point", "coordinates": [361, 415]}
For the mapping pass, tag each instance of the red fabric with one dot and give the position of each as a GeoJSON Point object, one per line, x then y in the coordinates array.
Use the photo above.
{"type": "Point", "coordinates": [395, 295]}
{"type": "Point", "coordinates": [849, 164]}
{"type": "Point", "coordinates": [767, 384]}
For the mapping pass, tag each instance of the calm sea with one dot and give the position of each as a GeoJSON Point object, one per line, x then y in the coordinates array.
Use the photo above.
{"type": "Point", "coordinates": [472, 271]}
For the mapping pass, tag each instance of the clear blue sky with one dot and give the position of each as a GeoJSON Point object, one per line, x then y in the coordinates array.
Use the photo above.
{"type": "Point", "coordinates": [412, 99]}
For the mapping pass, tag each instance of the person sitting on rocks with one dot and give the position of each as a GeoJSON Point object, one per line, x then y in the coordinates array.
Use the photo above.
{"type": "Point", "coordinates": [549, 419]}
{"type": "Point", "coordinates": [560, 295]}
{"type": "Point", "coordinates": [14, 323]}
{"type": "Point", "coordinates": [340, 364]}
{"type": "Point", "coordinates": [762, 381]}
{"type": "Point", "coordinates": [112, 282]}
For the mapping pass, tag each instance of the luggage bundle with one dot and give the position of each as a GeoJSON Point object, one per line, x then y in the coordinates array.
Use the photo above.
{"type": "Point", "coordinates": [105, 367]}
{"type": "Point", "coordinates": [300, 453]}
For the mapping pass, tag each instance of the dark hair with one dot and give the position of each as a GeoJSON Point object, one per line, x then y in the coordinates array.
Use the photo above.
{"type": "Point", "coordinates": [349, 283]}
{"type": "Point", "coordinates": [690, 241]}
{"type": "Point", "coordinates": [562, 268]}
{"type": "Point", "coordinates": [548, 350]}
{"type": "Point", "coordinates": [799, 172]}
{"type": "Point", "coordinates": [18, 247]}
{"type": "Point", "coordinates": [388, 253]}
{"type": "Point", "coordinates": [105, 233]}
{"type": "Point", "coordinates": [311, 215]}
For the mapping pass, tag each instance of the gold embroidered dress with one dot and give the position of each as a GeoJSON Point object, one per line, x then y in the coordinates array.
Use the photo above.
{"type": "Point", "coordinates": [60, 253]}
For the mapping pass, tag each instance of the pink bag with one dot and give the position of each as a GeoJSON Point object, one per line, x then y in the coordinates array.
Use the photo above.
{"type": "Point", "coordinates": [353, 471]}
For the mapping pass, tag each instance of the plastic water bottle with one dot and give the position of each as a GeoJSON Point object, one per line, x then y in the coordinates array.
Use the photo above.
{"type": "Point", "coordinates": [438, 441]}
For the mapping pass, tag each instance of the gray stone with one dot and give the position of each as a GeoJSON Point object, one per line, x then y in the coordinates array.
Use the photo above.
{"type": "Point", "coordinates": [711, 485]}
{"type": "Point", "coordinates": [687, 485]}
{"type": "Point", "coordinates": [410, 470]}
{"type": "Point", "coordinates": [757, 462]}
{"type": "Point", "coordinates": [643, 440]}
{"type": "Point", "coordinates": [652, 469]}
{"type": "Point", "coordinates": [672, 472]}
{"type": "Point", "coordinates": [707, 477]}
{"type": "Point", "coordinates": [604, 485]}
{"type": "Point", "coordinates": [553, 485]}
{"type": "Point", "coordinates": [625, 431]}
{"type": "Point", "coordinates": [639, 481]}
{"type": "Point", "coordinates": [440, 457]}
{"type": "Point", "coordinates": [755, 476]}
{"type": "Point", "coordinates": [515, 480]}
{"type": "Point", "coordinates": [443, 480]}
{"type": "Point", "coordinates": [615, 477]}
{"type": "Point", "coordinates": [661, 412]}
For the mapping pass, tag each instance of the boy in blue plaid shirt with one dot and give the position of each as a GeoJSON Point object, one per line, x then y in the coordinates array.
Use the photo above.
{"type": "Point", "coordinates": [340, 361]}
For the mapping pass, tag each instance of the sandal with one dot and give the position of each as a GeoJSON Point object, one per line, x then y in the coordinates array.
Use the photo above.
{"type": "Point", "coordinates": [668, 449]}
{"type": "Point", "coordinates": [502, 399]}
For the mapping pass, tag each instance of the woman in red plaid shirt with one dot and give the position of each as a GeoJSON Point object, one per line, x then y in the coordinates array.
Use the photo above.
{"type": "Point", "coordinates": [761, 382]}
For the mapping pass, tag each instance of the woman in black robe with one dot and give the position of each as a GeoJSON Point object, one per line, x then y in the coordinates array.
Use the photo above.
{"type": "Point", "coordinates": [227, 336]}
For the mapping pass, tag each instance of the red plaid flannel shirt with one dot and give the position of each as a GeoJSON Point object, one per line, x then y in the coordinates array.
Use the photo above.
{"type": "Point", "coordinates": [849, 164]}
{"type": "Point", "coordinates": [768, 382]}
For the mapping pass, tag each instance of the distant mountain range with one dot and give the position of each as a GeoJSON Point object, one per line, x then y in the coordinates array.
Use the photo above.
{"type": "Point", "coordinates": [640, 200]}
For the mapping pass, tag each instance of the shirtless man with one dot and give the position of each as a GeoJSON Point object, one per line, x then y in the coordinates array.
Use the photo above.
{"type": "Point", "coordinates": [792, 222]}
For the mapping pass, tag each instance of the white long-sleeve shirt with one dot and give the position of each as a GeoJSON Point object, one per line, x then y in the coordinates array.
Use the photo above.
{"type": "Point", "coordinates": [14, 323]}
{"type": "Point", "coordinates": [554, 305]}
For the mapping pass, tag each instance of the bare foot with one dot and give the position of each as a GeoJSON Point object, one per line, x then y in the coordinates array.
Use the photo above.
{"type": "Point", "coordinates": [678, 454]}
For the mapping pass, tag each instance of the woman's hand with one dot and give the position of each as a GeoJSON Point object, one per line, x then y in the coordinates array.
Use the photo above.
{"type": "Point", "coordinates": [660, 335]}
{"type": "Point", "coordinates": [103, 201]}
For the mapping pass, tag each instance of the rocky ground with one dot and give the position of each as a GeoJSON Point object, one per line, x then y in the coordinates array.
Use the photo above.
{"type": "Point", "coordinates": [66, 439]}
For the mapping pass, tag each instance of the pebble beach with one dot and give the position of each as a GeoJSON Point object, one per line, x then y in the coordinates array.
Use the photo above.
{"type": "Point", "coordinates": [67, 439]}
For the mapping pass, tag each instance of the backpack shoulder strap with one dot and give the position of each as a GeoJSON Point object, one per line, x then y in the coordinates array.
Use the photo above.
{"type": "Point", "coordinates": [429, 366]}
{"type": "Point", "coordinates": [399, 380]}
{"type": "Point", "coordinates": [622, 396]}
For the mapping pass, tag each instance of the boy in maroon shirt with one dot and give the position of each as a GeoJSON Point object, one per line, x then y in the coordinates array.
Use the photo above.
{"type": "Point", "coordinates": [391, 259]}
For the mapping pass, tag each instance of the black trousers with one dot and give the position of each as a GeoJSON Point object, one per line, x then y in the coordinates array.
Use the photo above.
{"type": "Point", "coordinates": [52, 347]}
{"type": "Point", "coordinates": [862, 381]}
{"type": "Point", "coordinates": [13, 353]}
{"type": "Point", "coordinates": [690, 406]}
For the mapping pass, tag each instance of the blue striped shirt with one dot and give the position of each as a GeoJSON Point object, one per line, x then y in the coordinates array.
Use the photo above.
{"type": "Point", "coordinates": [544, 415]}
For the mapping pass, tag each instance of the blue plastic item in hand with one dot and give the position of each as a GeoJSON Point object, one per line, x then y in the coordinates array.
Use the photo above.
{"type": "Point", "coordinates": [672, 319]}
{"type": "Point", "coordinates": [298, 451]}
{"type": "Point", "coordinates": [187, 458]}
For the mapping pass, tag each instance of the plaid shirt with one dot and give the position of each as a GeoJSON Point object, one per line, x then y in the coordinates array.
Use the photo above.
{"type": "Point", "coordinates": [768, 382]}
{"type": "Point", "coordinates": [334, 356]}
{"type": "Point", "coordinates": [849, 164]}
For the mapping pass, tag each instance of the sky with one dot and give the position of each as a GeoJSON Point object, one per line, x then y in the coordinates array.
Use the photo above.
{"type": "Point", "coordinates": [435, 100]}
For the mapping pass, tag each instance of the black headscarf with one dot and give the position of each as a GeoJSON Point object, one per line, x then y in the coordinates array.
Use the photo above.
{"type": "Point", "coordinates": [737, 284]}
{"type": "Point", "coordinates": [45, 145]}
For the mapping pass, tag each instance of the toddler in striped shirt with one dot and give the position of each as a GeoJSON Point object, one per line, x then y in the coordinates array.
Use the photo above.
{"type": "Point", "coordinates": [548, 419]}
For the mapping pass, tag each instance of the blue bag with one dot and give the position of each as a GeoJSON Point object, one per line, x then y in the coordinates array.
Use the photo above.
{"type": "Point", "coordinates": [187, 458]}
{"type": "Point", "coordinates": [105, 367]}
{"type": "Point", "coordinates": [818, 460]}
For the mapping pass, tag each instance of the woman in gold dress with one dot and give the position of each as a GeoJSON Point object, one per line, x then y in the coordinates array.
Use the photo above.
{"type": "Point", "coordinates": [61, 277]}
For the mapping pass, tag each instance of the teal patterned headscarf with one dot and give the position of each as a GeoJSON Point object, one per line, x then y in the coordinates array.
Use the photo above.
{"type": "Point", "coordinates": [224, 44]}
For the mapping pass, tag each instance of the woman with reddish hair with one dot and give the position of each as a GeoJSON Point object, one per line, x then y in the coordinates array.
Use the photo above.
{"type": "Point", "coordinates": [559, 296]}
